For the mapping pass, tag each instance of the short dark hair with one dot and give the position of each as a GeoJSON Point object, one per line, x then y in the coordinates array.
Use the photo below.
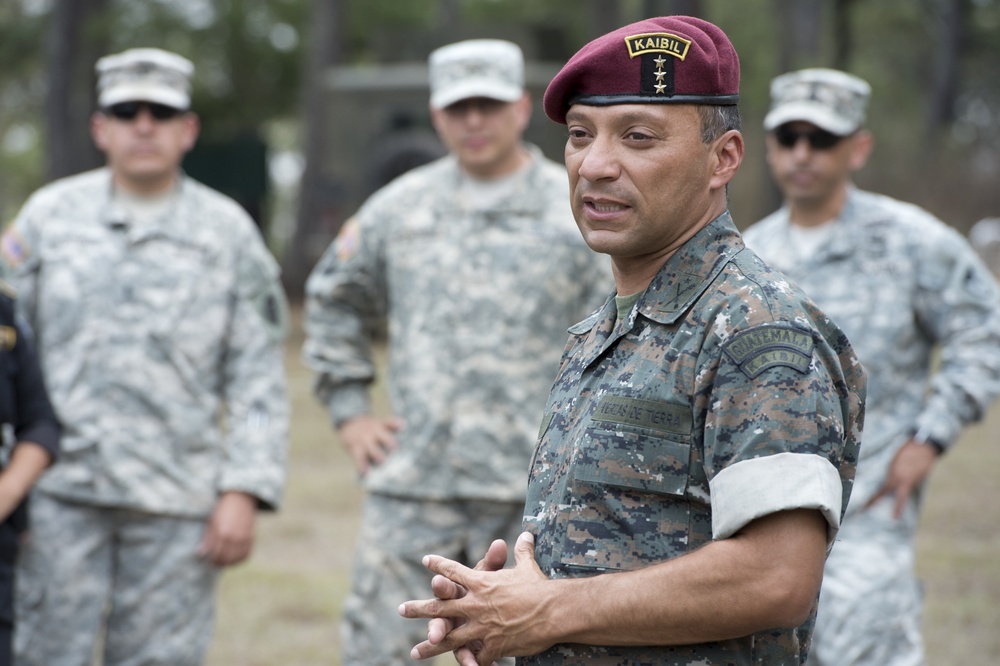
{"type": "Point", "coordinates": [717, 119]}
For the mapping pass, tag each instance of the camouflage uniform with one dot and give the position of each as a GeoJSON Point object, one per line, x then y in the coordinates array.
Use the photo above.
{"type": "Point", "coordinates": [723, 396]}
{"type": "Point", "coordinates": [900, 282]}
{"type": "Point", "coordinates": [478, 303]}
{"type": "Point", "coordinates": [160, 341]}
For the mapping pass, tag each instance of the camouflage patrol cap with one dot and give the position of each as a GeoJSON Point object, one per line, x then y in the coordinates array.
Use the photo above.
{"type": "Point", "coordinates": [492, 68]}
{"type": "Point", "coordinates": [830, 99]}
{"type": "Point", "coordinates": [664, 60]}
{"type": "Point", "coordinates": [144, 75]}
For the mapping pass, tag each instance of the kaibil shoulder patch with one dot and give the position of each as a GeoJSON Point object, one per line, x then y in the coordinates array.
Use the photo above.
{"type": "Point", "coordinates": [769, 345]}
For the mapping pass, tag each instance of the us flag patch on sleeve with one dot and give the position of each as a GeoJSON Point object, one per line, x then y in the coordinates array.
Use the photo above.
{"type": "Point", "coordinates": [13, 247]}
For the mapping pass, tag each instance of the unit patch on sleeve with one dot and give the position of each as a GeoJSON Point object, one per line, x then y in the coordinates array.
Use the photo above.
{"type": "Point", "coordinates": [348, 241]}
{"type": "Point", "coordinates": [769, 345]}
{"type": "Point", "coordinates": [14, 248]}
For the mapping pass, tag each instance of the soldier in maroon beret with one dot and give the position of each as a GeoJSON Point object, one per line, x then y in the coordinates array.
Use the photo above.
{"type": "Point", "coordinates": [699, 443]}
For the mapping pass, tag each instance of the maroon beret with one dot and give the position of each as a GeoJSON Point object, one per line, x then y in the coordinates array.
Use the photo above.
{"type": "Point", "coordinates": [665, 60]}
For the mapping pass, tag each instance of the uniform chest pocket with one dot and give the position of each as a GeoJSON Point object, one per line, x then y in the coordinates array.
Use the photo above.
{"type": "Point", "coordinates": [626, 506]}
{"type": "Point", "coordinates": [635, 459]}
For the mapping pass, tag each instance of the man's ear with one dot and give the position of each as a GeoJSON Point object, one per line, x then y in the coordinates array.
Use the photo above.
{"type": "Point", "coordinates": [524, 110]}
{"type": "Point", "coordinates": [435, 118]}
{"type": "Point", "coordinates": [728, 156]}
{"type": "Point", "coordinates": [98, 123]}
{"type": "Point", "coordinates": [192, 128]}
{"type": "Point", "coordinates": [862, 144]}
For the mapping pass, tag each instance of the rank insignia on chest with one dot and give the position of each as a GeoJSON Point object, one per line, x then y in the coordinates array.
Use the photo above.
{"type": "Point", "coordinates": [8, 337]}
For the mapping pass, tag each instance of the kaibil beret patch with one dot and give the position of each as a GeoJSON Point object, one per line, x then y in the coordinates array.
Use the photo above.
{"type": "Point", "coordinates": [665, 60]}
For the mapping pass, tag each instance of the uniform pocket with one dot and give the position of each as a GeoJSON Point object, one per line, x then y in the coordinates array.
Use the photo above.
{"type": "Point", "coordinates": [628, 505]}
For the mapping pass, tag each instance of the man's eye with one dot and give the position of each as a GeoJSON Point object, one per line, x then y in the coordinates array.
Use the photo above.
{"type": "Point", "coordinates": [637, 136]}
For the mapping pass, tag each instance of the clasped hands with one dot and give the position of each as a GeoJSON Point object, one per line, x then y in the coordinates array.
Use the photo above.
{"type": "Point", "coordinates": [484, 613]}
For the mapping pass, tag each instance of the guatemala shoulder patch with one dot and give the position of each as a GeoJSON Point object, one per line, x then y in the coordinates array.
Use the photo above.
{"type": "Point", "coordinates": [769, 345]}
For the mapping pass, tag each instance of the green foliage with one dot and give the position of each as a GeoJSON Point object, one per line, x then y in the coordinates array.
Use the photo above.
{"type": "Point", "coordinates": [247, 54]}
{"type": "Point", "coordinates": [22, 93]}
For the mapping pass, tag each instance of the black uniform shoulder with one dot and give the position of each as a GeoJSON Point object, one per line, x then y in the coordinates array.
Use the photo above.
{"type": "Point", "coordinates": [8, 299]}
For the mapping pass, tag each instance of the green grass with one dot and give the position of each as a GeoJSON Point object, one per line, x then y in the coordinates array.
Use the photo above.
{"type": "Point", "coordinates": [282, 608]}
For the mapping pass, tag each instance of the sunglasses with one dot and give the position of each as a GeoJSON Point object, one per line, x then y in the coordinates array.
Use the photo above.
{"type": "Point", "coordinates": [129, 110]}
{"type": "Point", "coordinates": [817, 139]}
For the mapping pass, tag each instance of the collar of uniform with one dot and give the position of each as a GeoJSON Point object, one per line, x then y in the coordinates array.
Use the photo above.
{"type": "Point", "coordinates": [111, 215]}
{"type": "Point", "coordinates": [683, 278]}
{"type": "Point", "coordinates": [688, 273]}
{"type": "Point", "coordinates": [846, 238]}
{"type": "Point", "coordinates": [115, 216]}
{"type": "Point", "coordinates": [528, 198]}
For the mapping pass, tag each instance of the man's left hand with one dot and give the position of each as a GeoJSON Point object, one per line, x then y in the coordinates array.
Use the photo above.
{"type": "Point", "coordinates": [491, 612]}
{"type": "Point", "coordinates": [913, 462]}
{"type": "Point", "coordinates": [229, 532]}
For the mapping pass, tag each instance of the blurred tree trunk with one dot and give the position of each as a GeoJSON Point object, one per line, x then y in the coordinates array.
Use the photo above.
{"type": "Point", "coordinates": [800, 21]}
{"type": "Point", "coordinates": [449, 17]}
{"type": "Point", "coordinates": [325, 48]}
{"type": "Point", "coordinates": [604, 17]}
{"type": "Point", "coordinates": [952, 41]}
{"type": "Point", "coordinates": [843, 37]}
{"type": "Point", "coordinates": [72, 49]}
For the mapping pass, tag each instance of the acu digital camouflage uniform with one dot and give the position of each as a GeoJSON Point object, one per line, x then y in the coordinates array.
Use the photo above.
{"type": "Point", "coordinates": [725, 395]}
{"type": "Point", "coordinates": [478, 302]}
{"type": "Point", "coordinates": [161, 346]}
{"type": "Point", "coordinates": [900, 283]}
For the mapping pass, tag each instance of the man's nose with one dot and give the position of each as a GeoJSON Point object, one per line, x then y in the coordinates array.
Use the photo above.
{"type": "Point", "coordinates": [600, 162]}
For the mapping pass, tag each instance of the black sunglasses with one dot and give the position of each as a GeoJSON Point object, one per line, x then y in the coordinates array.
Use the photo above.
{"type": "Point", "coordinates": [818, 139]}
{"type": "Point", "coordinates": [129, 110]}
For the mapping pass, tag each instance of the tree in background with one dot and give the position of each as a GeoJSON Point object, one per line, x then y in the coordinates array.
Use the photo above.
{"type": "Point", "coordinates": [933, 65]}
{"type": "Point", "coordinates": [325, 49]}
{"type": "Point", "coordinates": [247, 53]}
{"type": "Point", "coordinates": [74, 44]}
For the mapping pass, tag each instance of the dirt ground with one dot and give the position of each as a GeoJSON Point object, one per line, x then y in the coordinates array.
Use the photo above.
{"type": "Point", "coordinates": [282, 608]}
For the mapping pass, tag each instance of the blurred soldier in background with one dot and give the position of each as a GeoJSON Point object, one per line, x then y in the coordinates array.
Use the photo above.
{"type": "Point", "coordinates": [476, 264]}
{"type": "Point", "coordinates": [901, 283]}
{"type": "Point", "coordinates": [30, 444]}
{"type": "Point", "coordinates": [160, 318]}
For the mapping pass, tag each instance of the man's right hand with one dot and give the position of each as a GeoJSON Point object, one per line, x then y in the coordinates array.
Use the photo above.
{"type": "Point", "coordinates": [369, 439]}
{"type": "Point", "coordinates": [444, 588]}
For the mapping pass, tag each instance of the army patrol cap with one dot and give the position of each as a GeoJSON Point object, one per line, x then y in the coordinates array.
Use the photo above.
{"type": "Point", "coordinates": [144, 75]}
{"type": "Point", "coordinates": [829, 99]}
{"type": "Point", "coordinates": [664, 60]}
{"type": "Point", "coordinates": [491, 68]}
